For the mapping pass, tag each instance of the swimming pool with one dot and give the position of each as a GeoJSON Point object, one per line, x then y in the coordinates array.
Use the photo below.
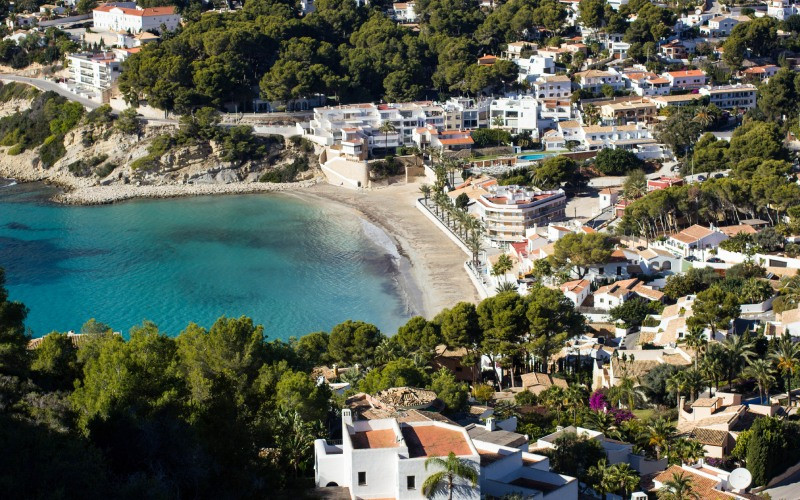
{"type": "Point", "coordinates": [534, 156]}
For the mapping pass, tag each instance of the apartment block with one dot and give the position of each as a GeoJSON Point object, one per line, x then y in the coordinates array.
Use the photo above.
{"type": "Point", "coordinates": [508, 211]}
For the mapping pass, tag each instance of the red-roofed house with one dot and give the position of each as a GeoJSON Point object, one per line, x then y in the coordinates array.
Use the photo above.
{"type": "Point", "coordinates": [686, 79]}
{"type": "Point", "coordinates": [385, 458]}
{"type": "Point", "coordinates": [663, 183]}
{"type": "Point", "coordinates": [576, 290]}
{"type": "Point", "coordinates": [761, 73]}
{"type": "Point", "coordinates": [692, 238]}
{"type": "Point", "coordinates": [125, 16]}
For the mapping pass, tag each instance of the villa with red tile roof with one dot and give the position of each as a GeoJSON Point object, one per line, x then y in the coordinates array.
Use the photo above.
{"type": "Point", "coordinates": [385, 458]}
{"type": "Point", "coordinates": [693, 238]}
{"type": "Point", "coordinates": [686, 79]}
{"type": "Point", "coordinates": [126, 16]}
{"type": "Point", "coordinates": [663, 182]}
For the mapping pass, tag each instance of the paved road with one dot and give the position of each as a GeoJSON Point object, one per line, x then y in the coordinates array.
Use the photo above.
{"type": "Point", "coordinates": [48, 85]}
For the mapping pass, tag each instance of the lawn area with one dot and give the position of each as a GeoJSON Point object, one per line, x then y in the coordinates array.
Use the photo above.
{"type": "Point", "coordinates": [644, 414]}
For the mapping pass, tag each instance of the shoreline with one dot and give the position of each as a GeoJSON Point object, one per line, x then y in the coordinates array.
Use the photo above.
{"type": "Point", "coordinates": [429, 268]}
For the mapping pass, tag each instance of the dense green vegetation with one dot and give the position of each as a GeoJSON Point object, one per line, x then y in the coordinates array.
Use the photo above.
{"type": "Point", "coordinates": [44, 124]}
{"type": "Point", "coordinates": [46, 49]}
{"type": "Point", "coordinates": [353, 53]}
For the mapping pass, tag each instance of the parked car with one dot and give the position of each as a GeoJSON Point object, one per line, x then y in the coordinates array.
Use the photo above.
{"type": "Point", "coordinates": [691, 258]}
{"type": "Point", "coordinates": [715, 260]}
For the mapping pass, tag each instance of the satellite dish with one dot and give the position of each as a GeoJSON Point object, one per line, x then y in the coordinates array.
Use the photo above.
{"type": "Point", "coordinates": [740, 478]}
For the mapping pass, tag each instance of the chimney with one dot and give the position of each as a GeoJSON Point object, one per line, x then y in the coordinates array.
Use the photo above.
{"type": "Point", "coordinates": [335, 371]}
{"type": "Point", "coordinates": [347, 417]}
{"type": "Point", "coordinates": [682, 402]}
{"type": "Point", "coordinates": [490, 426]}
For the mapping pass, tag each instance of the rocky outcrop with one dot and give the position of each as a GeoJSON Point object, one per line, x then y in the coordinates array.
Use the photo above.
{"type": "Point", "coordinates": [99, 158]}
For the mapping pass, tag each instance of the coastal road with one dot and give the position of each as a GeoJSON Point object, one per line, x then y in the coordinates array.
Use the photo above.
{"type": "Point", "coordinates": [48, 85]}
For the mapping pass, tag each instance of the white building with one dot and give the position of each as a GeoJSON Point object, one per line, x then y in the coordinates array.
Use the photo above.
{"type": "Point", "coordinates": [518, 114]}
{"type": "Point", "coordinates": [739, 96]}
{"type": "Point", "coordinates": [384, 458]}
{"type": "Point", "coordinates": [93, 71]}
{"type": "Point", "coordinates": [721, 26]}
{"type": "Point", "coordinates": [333, 124]}
{"type": "Point", "coordinates": [694, 238]}
{"type": "Point", "coordinates": [645, 83]}
{"type": "Point", "coordinates": [533, 67]}
{"type": "Point", "coordinates": [577, 290]}
{"type": "Point", "coordinates": [781, 9]}
{"type": "Point", "coordinates": [509, 211]}
{"type": "Point", "coordinates": [126, 16]}
{"type": "Point", "coordinates": [615, 294]}
{"type": "Point", "coordinates": [404, 12]}
{"type": "Point", "coordinates": [594, 79]}
{"type": "Point", "coordinates": [553, 86]}
{"type": "Point", "coordinates": [686, 79]}
{"type": "Point", "coordinates": [466, 113]}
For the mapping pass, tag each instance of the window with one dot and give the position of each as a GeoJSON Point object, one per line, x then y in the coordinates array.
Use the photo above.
{"type": "Point", "coordinates": [411, 482]}
{"type": "Point", "coordinates": [362, 478]}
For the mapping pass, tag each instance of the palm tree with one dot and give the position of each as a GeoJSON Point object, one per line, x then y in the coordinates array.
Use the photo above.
{"type": "Point", "coordinates": [676, 383]}
{"type": "Point", "coordinates": [425, 189]}
{"type": "Point", "coordinates": [575, 398]}
{"type": "Point", "coordinates": [786, 355]}
{"type": "Point", "coordinates": [695, 382]}
{"type": "Point", "coordinates": [453, 468]}
{"type": "Point", "coordinates": [678, 488]}
{"type": "Point", "coordinates": [506, 286]}
{"type": "Point", "coordinates": [296, 441]}
{"type": "Point", "coordinates": [387, 127]}
{"type": "Point", "coordinates": [696, 339]}
{"type": "Point", "coordinates": [597, 477]}
{"type": "Point", "coordinates": [475, 244]}
{"type": "Point", "coordinates": [502, 266]}
{"type": "Point", "coordinates": [689, 451]}
{"type": "Point", "coordinates": [626, 392]}
{"type": "Point", "coordinates": [622, 478]}
{"type": "Point", "coordinates": [761, 370]}
{"type": "Point", "coordinates": [661, 431]}
{"type": "Point", "coordinates": [703, 117]}
{"type": "Point", "coordinates": [601, 421]}
{"type": "Point", "coordinates": [738, 350]}
{"type": "Point", "coordinates": [498, 121]}
{"type": "Point", "coordinates": [713, 365]}
{"type": "Point", "coordinates": [591, 114]}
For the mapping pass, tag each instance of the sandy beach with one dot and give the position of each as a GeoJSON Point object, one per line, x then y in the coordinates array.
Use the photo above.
{"type": "Point", "coordinates": [438, 278]}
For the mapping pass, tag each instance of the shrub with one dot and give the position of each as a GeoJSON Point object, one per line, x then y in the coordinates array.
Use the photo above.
{"type": "Point", "coordinates": [105, 170]}
{"type": "Point", "coordinates": [15, 150]}
{"type": "Point", "coordinates": [287, 173]}
{"type": "Point", "coordinates": [484, 137]}
{"type": "Point", "coordinates": [617, 161]}
{"type": "Point", "coordinates": [52, 150]}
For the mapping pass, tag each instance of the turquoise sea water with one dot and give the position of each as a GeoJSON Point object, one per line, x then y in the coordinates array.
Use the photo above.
{"type": "Point", "coordinates": [293, 265]}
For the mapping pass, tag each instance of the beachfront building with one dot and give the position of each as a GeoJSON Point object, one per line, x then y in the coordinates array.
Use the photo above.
{"type": "Point", "coordinates": [126, 16]}
{"type": "Point", "coordinates": [446, 140]}
{"type": "Point", "coordinates": [509, 211]}
{"type": "Point", "coordinates": [739, 96]}
{"type": "Point", "coordinates": [333, 124]}
{"type": "Point", "coordinates": [675, 100]}
{"type": "Point", "coordinates": [466, 113]}
{"type": "Point", "coordinates": [95, 72]}
{"type": "Point", "coordinates": [385, 458]}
